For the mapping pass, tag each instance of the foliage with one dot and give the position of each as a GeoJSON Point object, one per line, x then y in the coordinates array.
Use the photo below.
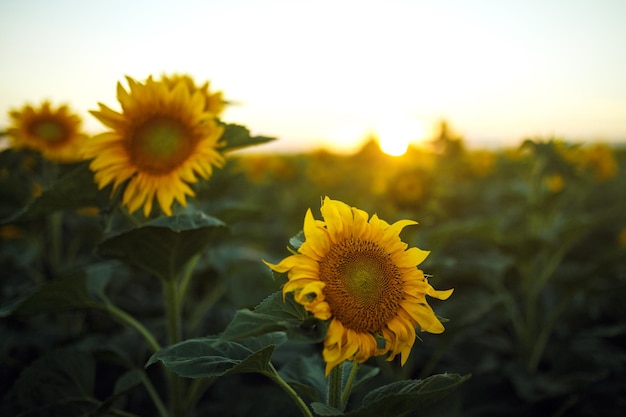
{"type": "Point", "coordinates": [108, 313]}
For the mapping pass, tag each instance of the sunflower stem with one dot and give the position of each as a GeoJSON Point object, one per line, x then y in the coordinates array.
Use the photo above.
{"type": "Point", "coordinates": [126, 318]}
{"type": "Point", "coordinates": [335, 380]}
{"type": "Point", "coordinates": [203, 305]}
{"type": "Point", "coordinates": [347, 390]}
{"type": "Point", "coordinates": [274, 376]}
{"type": "Point", "coordinates": [154, 395]}
{"type": "Point", "coordinates": [546, 330]}
{"type": "Point", "coordinates": [172, 312]}
{"type": "Point", "coordinates": [186, 278]}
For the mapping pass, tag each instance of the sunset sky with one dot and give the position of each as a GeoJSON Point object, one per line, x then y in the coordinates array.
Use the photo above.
{"type": "Point", "coordinates": [316, 73]}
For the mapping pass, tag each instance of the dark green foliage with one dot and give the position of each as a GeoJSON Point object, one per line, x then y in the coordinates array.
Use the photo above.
{"type": "Point", "coordinates": [210, 357]}
{"type": "Point", "coordinates": [164, 246]}
{"type": "Point", "coordinates": [398, 398]}
{"type": "Point", "coordinates": [537, 316]}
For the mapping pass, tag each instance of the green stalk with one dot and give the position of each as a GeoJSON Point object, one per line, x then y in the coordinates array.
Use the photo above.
{"type": "Point", "coordinates": [186, 277]}
{"type": "Point", "coordinates": [202, 306]}
{"type": "Point", "coordinates": [538, 331]}
{"type": "Point", "coordinates": [172, 314]}
{"type": "Point", "coordinates": [273, 375]}
{"type": "Point", "coordinates": [546, 331]}
{"type": "Point", "coordinates": [348, 388]}
{"type": "Point", "coordinates": [126, 318]}
{"type": "Point", "coordinates": [154, 395]}
{"type": "Point", "coordinates": [335, 380]}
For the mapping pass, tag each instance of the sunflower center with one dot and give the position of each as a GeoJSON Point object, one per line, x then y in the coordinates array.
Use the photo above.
{"type": "Point", "coordinates": [49, 130]}
{"type": "Point", "coordinates": [160, 144]}
{"type": "Point", "coordinates": [363, 285]}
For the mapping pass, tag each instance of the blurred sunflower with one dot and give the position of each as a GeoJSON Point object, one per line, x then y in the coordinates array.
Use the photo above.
{"type": "Point", "coordinates": [621, 238]}
{"type": "Point", "coordinates": [409, 188]}
{"type": "Point", "coordinates": [482, 162]}
{"type": "Point", "coordinates": [163, 139]}
{"type": "Point", "coordinates": [213, 101]}
{"type": "Point", "coordinates": [358, 273]}
{"type": "Point", "coordinates": [266, 168]}
{"type": "Point", "coordinates": [554, 183]}
{"type": "Point", "coordinates": [55, 133]}
{"type": "Point", "coordinates": [599, 159]}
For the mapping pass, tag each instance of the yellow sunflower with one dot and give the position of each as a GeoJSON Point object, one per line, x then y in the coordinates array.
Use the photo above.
{"type": "Point", "coordinates": [55, 133]}
{"type": "Point", "coordinates": [357, 272]}
{"type": "Point", "coordinates": [162, 141]}
{"type": "Point", "coordinates": [214, 103]}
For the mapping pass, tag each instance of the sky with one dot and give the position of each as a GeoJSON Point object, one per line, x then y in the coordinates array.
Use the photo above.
{"type": "Point", "coordinates": [330, 73]}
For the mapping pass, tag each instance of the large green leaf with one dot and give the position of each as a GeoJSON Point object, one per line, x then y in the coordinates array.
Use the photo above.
{"type": "Point", "coordinates": [204, 358]}
{"type": "Point", "coordinates": [306, 374]}
{"type": "Point", "coordinates": [74, 190]}
{"type": "Point", "coordinates": [398, 398]}
{"type": "Point", "coordinates": [60, 383]}
{"type": "Point", "coordinates": [272, 315]}
{"type": "Point", "coordinates": [164, 246]}
{"type": "Point", "coordinates": [237, 136]}
{"type": "Point", "coordinates": [128, 381]}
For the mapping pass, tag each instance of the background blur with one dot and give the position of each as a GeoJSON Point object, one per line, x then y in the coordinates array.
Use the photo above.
{"type": "Point", "coordinates": [329, 73]}
{"type": "Point", "coordinates": [530, 233]}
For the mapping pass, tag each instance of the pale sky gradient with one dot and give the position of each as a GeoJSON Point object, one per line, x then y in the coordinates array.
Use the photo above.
{"type": "Point", "coordinates": [319, 72]}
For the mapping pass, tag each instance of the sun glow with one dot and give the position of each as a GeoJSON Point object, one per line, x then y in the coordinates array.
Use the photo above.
{"type": "Point", "coordinates": [395, 135]}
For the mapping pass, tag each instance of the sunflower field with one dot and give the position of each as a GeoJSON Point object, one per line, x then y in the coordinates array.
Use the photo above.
{"type": "Point", "coordinates": [157, 269]}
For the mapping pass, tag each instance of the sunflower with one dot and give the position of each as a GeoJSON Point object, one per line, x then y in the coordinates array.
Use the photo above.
{"type": "Point", "coordinates": [55, 133]}
{"type": "Point", "coordinates": [214, 103]}
{"type": "Point", "coordinates": [356, 272]}
{"type": "Point", "coordinates": [162, 141]}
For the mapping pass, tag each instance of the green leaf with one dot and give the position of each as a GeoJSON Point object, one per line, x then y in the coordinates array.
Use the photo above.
{"type": "Point", "coordinates": [60, 295]}
{"type": "Point", "coordinates": [297, 240]}
{"type": "Point", "coordinates": [164, 246]}
{"type": "Point", "coordinates": [60, 383]}
{"type": "Point", "coordinates": [282, 308]}
{"type": "Point", "coordinates": [274, 315]}
{"type": "Point", "coordinates": [398, 398]}
{"type": "Point", "coordinates": [306, 374]}
{"type": "Point", "coordinates": [126, 383]}
{"type": "Point", "coordinates": [280, 278]}
{"type": "Point", "coordinates": [74, 190]}
{"type": "Point", "coordinates": [322, 409]}
{"type": "Point", "coordinates": [98, 277]}
{"type": "Point", "coordinates": [237, 137]}
{"type": "Point", "coordinates": [204, 358]}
